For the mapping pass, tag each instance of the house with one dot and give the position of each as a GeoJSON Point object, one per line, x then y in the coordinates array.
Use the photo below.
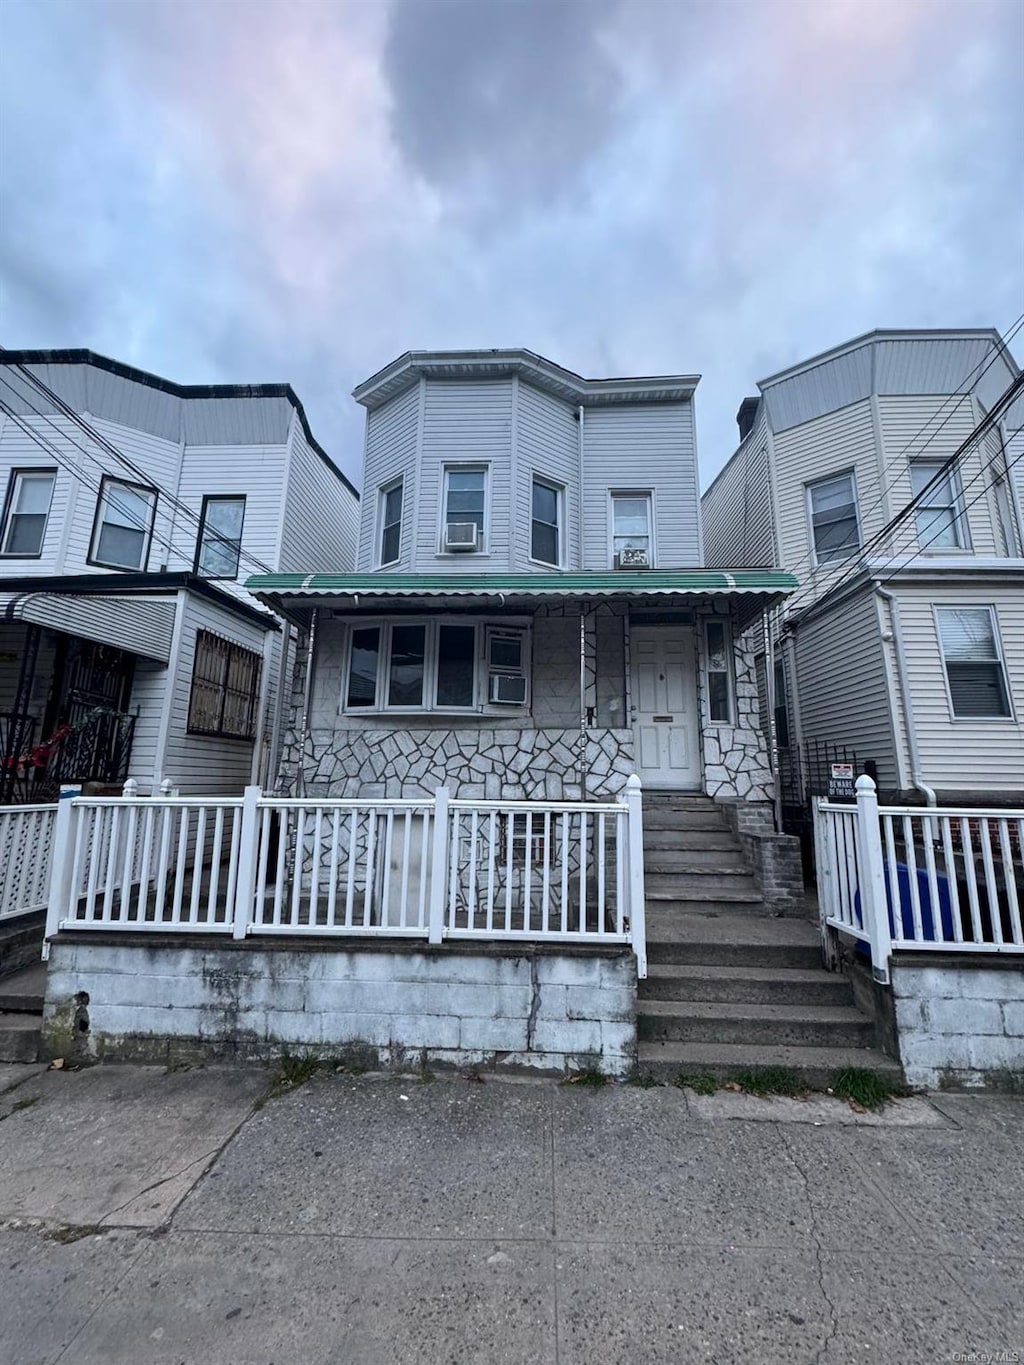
{"type": "Point", "coordinates": [134, 508]}
{"type": "Point", "coordinates": [529, 617]}
{"type": "Point", "coordinates": [903, 651]}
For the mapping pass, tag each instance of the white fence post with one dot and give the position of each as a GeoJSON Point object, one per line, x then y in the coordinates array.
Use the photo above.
{"type": "Point", "coordinates": [62, 853]}
{"type": "Point", "coordinates": [635, 881]}
{"type": "Point", "coordinates": [439, 865]}
{"type": "Point", "coordinates": [248, 850]}
{"type": "Point", "coordinates": [871, 876]}
{"type": "Point", "coordinates": [825, 855]}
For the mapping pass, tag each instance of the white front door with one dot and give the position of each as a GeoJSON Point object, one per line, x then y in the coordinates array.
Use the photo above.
{"type": "Point", "coordinates": [666, 726]}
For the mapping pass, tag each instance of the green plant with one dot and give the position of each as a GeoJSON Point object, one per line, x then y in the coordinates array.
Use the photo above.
{"type": "Point", "coordinates": [863, 1087]}
{"type": "Point", "coordinates": [643, 1079]}
{"type": "Point", "coordinates": [769, 1080]}
{"type": "Point", "coordinates": [591, 1077]}
{"type": "Point", "coordinates": [700, 1082]}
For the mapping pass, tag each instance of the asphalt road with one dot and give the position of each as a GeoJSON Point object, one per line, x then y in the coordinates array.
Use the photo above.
{"type": "Point", "coordinates": [157, 1218]}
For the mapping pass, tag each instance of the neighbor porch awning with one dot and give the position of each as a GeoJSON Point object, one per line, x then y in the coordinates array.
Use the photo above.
{"type": "Point", "coordinates": [138, 625]}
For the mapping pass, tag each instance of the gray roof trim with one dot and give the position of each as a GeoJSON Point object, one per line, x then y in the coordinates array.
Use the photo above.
{"type": "Point", "coordinates": [883, 334]}
{"type": "Point", "coordinates": [403, 372]}
{"type": "Point", "coordinates": [78, 356]}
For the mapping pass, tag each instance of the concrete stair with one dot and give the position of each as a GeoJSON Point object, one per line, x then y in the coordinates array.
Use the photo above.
{"type": "Point", "coordinates": [21, 1013]}
{"type": "Point", "coordinates": [730, 988]}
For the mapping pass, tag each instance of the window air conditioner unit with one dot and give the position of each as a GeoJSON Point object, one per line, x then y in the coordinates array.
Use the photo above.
{"type": "Point", "coordinates": [632, 559]}
{"type": "Point", "coordinates": [461, 535]}
{"type": "Point", "coordinates": [508, 688]}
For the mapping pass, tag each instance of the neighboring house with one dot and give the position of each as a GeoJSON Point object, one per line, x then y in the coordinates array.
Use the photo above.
{"type": "Point", "coordinates": [529, 616]}
{"type": "Point", "coordinates": [904, 648]}
{"type": "Point", "coordinates": [133, 511]}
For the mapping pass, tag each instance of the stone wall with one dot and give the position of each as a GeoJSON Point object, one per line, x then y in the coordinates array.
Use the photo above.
{"type": "Point", "coordinates": [394, 1005]}
{"type": "Point", "coordinates": [736, 756]}
{"type": "Point", "coordinates": [514, 756]}
{"type": "Point", "coordinates": [960, 1024]}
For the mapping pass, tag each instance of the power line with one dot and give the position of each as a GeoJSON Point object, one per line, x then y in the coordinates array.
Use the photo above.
{"type": "Point", "coordinates": [989, 421]}
{"type": "Point", "coordinates": [952, 400]}
{"type": "Point", "coordinates": [108, 446]}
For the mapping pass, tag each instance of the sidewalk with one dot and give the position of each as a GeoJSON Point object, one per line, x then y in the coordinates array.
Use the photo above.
{"type": "Point", "coordinates": [154, 1219]}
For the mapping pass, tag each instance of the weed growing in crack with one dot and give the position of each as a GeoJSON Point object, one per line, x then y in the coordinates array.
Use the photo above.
{"type": "Point", "coordinates": [864, 1087]}
{"type": "Point", "coordinates": [700, 1082]}
{"type": "Point", "coordinates": [769, 1080]}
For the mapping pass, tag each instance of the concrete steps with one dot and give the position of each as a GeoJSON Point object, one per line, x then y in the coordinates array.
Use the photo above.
{"type": "Point", "coordinates": [734, 985]}
{"type": "Point", "coordinates": [757, 1025]}
{"type": "Point", "coordinates": [816, 1067]}
{"type": "Point", "coordinates": [21, 1013]}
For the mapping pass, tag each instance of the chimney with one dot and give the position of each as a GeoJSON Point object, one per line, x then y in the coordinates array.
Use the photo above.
{"type": "Point", "coordinates": [745, 416]}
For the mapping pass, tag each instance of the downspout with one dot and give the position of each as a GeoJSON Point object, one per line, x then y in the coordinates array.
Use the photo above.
{"type": "Point", "coordinates": [579, 487]}
{"type": "Point", "coordinates": [307, 692]}
{"type": "Point", "coordinates": [907, 705]}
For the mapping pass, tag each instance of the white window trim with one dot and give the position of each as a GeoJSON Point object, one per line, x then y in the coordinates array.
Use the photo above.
{"type": "Point", "coordinates": [647, 493]}
{"type": "Point", "coordinates": [481, 686]}
{"type": "Point", "coordinates": [963, 530]}
{"type": "Point", "coordinates": [10, 510]}
{"type": "Point", "coordinates": [559, 490]}
{"type": "Point", "coordinates": [730, 672]}
{"type": "Point", "coordinates": [829, 564]}
{"type": "Point", "coordinates": [465, 467]}
{"type": "Point", "coordinates": [382, 496]}
{"type": "Point", "coordinates": [1011, 718]}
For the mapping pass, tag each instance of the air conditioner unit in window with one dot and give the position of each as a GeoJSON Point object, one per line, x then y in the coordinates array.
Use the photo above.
{"type": "Point", "coordinates": [633, 559]}
{"type": "Point", "coordinates": [461, 535]}
{"type": "Point", "coordinates": [508, 688]}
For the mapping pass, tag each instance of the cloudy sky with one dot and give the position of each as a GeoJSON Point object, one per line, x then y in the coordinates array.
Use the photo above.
{"type": "Point", "coordinates": [248, 190]}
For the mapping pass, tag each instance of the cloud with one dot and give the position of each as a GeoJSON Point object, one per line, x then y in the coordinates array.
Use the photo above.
{"type": "Point", "coordinates": [303, 191]}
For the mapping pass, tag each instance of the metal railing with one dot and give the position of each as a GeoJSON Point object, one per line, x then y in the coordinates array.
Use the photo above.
{"type": "Point", "coordinates": [433, 869]}
{"type": "Point", "coordinates": [26, 833]}
{"type": "Point", "coordinates": [925, 878]}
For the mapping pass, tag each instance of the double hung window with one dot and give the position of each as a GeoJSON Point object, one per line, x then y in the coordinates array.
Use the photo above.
{"type": "Point", "coordinates": [27, 510]}
{"type": "Point", "coordinates": [974, 663]}
{"type": "Point", "coordinates": [124, 525]}
{"type": "Point", "coordinates": [939, 525]}
{"type": "Point", "coordinates": [391, 523]}
{"type": "Point", "coordinates": [465, 504]}
{"type": "Point", "coordinates": [832, 505]}
{"type": "Point", "coordinates": [225, 688]}
{"type": "Point", "coordinates": [220, 537]}
{"type": "Point", "coordinates": [546, 522]}
{"type": "Point", "coordinates": [631, 530]}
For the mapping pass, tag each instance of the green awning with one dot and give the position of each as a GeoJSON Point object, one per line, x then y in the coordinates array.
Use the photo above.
{"type": "Point", "coordinates": [771, 583]}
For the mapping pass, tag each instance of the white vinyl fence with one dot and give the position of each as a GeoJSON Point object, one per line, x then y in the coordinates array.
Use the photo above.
{"type": "Point", "coordinates": [434, 869]}
{"type": "Point", "coordinates": [920, 877]}
{"type": "Point", "coordinates": [25, 837]}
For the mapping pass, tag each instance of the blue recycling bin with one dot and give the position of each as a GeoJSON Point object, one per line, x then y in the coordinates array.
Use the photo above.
{"type": "Point", "coordinates": [906, 929]}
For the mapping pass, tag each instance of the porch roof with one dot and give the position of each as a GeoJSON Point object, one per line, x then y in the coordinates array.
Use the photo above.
{"type": "Point", "coordinates": [757, 587]}
{"type": "Point", "coordinates": [139, 625]}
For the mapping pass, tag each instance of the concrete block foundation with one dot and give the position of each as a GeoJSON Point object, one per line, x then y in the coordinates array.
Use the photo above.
{"type": "Point", "coordinates": [391, 1004]}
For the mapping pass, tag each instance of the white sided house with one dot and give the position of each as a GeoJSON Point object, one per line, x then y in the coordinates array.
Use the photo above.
{"type": "Point", "coordinates": [529, 616]}
{"type": "Point", "coordinates": [134, 509]}
{"type": "Point", "coordinates": [882, 473]}
{"type": "Point", "coordinates": [904, 648]}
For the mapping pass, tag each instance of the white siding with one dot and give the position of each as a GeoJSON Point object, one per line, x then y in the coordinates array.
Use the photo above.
{"type": "Point", "coordinates": [933, 428]}
{"type": "Point", "coordinates": [465, 423]}
{"type": "Point", "coordinates": [737, 509]}
{"type": "Point", "coordinates": [390, 454]}
{"type": "Point", "coordinates": [148, 698]}
{"type": "Point", "coordinates": [829, 445]}
{"type": "Point", "coordinates": [201, 763]}
{"type": "Point", "coordinates": [321, 515]}
{"type": "Point", "coordinates": [256, 473]}
{"type": "Point", "coordinates": [843, 685]}
{"type": "Point", "coordinates": [964, 755]}
{"type": "Point", "coordinates": [547, 436]}
{"type": "Point", "coordinates": [642, 446]}
{"type": "Point", "coordinates": [18, 450]}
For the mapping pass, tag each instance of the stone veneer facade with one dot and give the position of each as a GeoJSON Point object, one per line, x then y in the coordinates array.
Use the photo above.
{"type": "Point", "coordinates": [546, 755]}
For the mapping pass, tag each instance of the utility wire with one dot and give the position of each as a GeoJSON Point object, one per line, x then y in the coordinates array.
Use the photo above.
{"type": "Point", "coordinates": [108, 446]}
{"type": "Point", "coordinates": [953, 402]}
{"type": "Point", "coordinates": [987, 423]}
